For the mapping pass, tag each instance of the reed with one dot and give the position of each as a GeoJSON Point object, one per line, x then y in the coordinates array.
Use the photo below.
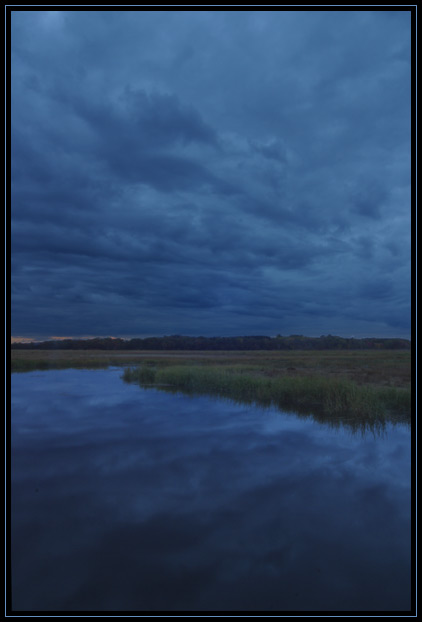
{"type": "Point", "coordinates": [318, 394]}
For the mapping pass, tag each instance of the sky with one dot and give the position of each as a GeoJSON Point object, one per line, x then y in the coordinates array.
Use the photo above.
{"type": "Point", "coordinates": [210, 173]}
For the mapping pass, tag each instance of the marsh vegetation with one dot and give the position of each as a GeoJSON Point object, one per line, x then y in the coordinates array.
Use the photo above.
{"type": "Point", "coordinates": [371, 386]}
{"type": "Point", "coordinates": [324, 397]}
{"type": "Point", "coordinates": [381, 368]}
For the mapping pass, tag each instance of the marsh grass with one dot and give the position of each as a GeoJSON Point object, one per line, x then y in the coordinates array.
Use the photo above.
{"type": "Point", "coordinates": [26, 361]}
{"type": "Point", "coordinates": [367, 367]}
{"type": "Point", "coordinates": [361, 386]}
{"type": "Point", "coordinates": [34, 364]}
{"type": "Point", "coordinates": [318, 395]}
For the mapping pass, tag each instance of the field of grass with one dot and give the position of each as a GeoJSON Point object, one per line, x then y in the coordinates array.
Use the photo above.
{"type": "Point", "coordinates": [381, 368]}
{"type": "Point", "coordinates": [362, 384]}
{"type": "Point", "coordinates": [31, 360]}
{"type": "Point", "coordinates": [324, 397]}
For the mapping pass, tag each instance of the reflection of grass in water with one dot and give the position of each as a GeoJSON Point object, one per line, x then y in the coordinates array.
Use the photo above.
{"type": "Point", "coordinates": [334, 401]}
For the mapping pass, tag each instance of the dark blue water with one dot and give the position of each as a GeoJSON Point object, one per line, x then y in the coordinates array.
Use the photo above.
{"type": "Point", "coordinates": [125, 499]}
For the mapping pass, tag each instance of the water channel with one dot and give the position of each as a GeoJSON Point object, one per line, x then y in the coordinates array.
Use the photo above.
{"type": "Point", "coordinates": [127, 499]}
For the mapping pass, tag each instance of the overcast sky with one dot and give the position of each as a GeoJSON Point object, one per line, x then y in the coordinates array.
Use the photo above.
{"type": "Point", "coordinates": [210, 173]}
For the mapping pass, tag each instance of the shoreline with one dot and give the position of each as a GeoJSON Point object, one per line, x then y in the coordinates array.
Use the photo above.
{"type": "Point", "coordinates": [364, 367]}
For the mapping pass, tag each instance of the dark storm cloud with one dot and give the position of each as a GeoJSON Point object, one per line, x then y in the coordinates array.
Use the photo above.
{"type": "Point", "coordinates": [133, 138]}
{"type": "Point", "coordinates": [210, 172]}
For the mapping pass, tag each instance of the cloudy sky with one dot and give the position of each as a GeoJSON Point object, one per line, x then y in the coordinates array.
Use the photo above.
{"type": "Point", "coordinates": [210, 173]}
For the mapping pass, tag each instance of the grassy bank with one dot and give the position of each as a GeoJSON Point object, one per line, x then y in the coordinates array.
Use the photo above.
{"type": "Point", "coordinates": [364, 367]}
{"type": "Point", "coordinates": [324, 397]}
{"type": "Point", "coordinates": [357, 386]}
{"type": "Point", "coordinates": [32, 360]}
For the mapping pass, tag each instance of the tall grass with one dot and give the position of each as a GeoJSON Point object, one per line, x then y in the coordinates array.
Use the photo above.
{"type": "Point", "coordinates": [26, 365]}
{"type": "Point", "coordinates": [318, 395]}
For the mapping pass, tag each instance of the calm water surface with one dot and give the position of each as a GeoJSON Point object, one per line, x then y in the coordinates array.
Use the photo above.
{"type": "Point", "coordinates": [125, 499]}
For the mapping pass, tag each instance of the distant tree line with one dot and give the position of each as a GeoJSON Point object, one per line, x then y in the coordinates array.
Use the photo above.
{"type": "Point", "coordinates": [179, 342]}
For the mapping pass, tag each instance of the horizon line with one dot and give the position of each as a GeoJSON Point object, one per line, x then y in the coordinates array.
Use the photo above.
{"type": "Point", "coordinates": [15, 340]}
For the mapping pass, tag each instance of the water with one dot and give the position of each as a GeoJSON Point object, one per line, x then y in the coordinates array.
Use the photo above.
{"type": "Point", "coordinates": [125, 499]}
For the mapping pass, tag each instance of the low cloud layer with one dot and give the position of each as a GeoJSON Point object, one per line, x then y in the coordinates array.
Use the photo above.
{"type": "Point", "coordinates": [210, 172]}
